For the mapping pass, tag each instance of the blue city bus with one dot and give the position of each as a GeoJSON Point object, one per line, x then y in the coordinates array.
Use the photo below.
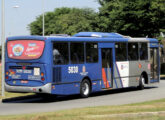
{"type": "Point", "coordinates": [81, 64]}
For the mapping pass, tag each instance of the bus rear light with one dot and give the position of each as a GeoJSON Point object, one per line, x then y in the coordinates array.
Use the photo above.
{"type": "Point", "coordinates": [7, 73]}
{"type": "Point", "coordinates": [23, 67]}
{"type": "Point", "coordinates": [42, 74]}
{"type": "Point", "coordinates": [7, 77]}
{"type": "Point", "coordinates": [42, 78]}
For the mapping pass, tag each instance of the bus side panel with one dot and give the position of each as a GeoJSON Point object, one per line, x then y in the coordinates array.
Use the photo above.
{"type": "Point", "coordinates": [94, 73]}
{"type": "Point", "coordinates": [66, 89]}
{"type": "Point", "coordinates": [136, 68]}
{"type": "Point", "coordinates": [134, 73]}
{"type": "Point", "coordinates": [145, 67]}
{"type": "Point", "coordinates": [121, 78]}
{"type": "Point", "coordinates": [67, 78]}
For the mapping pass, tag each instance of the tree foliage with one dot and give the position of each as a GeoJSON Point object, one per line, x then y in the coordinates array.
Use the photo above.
{"type": "Point", "coordinates": [132, 17]}
{"type": "Point", "coordinates": [64, 21]}
{"type": "Point", "coordinates": [128, 17]}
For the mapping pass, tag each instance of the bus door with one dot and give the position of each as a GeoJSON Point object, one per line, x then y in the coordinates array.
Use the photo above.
{"type": "Point", "coordinates": [107, 65]}
{"type": "Point", "coordinates": [154, 62]}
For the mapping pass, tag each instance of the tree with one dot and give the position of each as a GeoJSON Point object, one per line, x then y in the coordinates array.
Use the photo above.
{"type": "Point", "coordinates": [132, 17]}
{"type": "Point", "coordinates": [65, 21]}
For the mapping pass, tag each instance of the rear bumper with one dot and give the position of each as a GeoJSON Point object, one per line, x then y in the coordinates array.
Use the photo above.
{"type": "Point", "coordinates": [23, 89]}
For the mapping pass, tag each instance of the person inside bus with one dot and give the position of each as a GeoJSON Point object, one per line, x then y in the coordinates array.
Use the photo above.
{"type": "Point", "coordinates": [57, 57]}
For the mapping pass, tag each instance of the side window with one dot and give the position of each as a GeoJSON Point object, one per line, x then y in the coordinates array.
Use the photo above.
{"type": "Point", "coordinates": [121, 51]}
{"type": "Point", "coordinates": [60, 53]}
{"type": "Point", "coordinates": [133, 51]}
{"type": "Point", "coordinates": [143, 51]}
{"type": "Point", "coordinates": [77, 53]}
{"type": "Point", "coordinates": [91, 52]}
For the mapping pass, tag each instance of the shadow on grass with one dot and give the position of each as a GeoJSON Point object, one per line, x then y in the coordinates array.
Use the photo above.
{"type": "Point", "coordinates": [52, 98]}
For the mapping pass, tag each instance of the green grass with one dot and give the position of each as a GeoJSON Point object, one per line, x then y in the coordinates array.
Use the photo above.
{"type": "Point", "coordinates": [153, 110]}
{"type": "Point", "coordinates": [162, 76]}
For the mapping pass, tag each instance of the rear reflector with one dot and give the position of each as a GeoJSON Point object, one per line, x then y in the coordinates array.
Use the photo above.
{"type": "Point", "coordinates": [42, 78]}
{"type": "Point", "coordinates": [7, 77]}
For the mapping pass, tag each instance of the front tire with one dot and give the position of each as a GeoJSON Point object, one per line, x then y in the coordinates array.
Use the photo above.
{"type": "Point", "coordinates": [85, 88]}
{"type": "Point", "coordinates": [141, 83]}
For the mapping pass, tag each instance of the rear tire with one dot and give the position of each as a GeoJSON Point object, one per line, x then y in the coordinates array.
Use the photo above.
{"type": "Point", "coordinates": [141, 83]}
{"type": "Point", "coordinates": [85, 88]}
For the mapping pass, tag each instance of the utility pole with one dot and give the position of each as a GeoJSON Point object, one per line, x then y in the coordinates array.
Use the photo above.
{"type": "Point", "coordinates": [43, 19]}
{"type": "Point", "coordinates": [3, 47]}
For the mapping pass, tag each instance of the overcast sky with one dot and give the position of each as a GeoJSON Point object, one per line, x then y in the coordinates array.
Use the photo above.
{"type": "Point", "coordinates": [17, 19]}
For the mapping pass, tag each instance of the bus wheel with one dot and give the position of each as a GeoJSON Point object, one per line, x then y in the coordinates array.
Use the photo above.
{"type": "Point", "coordinates": [85, 88]}
{"type": "Point", "coordinates": [141, 82]}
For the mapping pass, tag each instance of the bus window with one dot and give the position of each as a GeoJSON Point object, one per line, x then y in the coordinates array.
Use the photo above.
{"type": "Point", "coordinates": [121, 51]}
{"type": "Point", "coordinates": [143, 51]}
{"type": "Point", "coordinates": [91, 52]}
{"type": "Point", "coordinates": [133, 51]}
{"type": "Point", "coordinates": [77, 53]}
{"type": "Point", "coordinates": [60, 53]}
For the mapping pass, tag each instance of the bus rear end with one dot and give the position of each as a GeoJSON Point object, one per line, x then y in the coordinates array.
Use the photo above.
{"type": "Point", "coordinates": [25, 66]}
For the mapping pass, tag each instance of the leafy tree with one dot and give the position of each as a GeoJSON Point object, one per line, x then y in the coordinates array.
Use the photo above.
{"type": "Point", "coordinates": [65, 21]}
{"type": "Point", "coordinates": [132, 17]}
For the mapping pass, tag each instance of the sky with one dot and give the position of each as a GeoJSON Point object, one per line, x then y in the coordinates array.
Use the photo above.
{"type": "Point", "coordinates": [18, 18]}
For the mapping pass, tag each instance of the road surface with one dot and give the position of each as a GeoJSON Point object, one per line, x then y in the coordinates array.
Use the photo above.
{"type": "Point", "coordinates": [35, 104]}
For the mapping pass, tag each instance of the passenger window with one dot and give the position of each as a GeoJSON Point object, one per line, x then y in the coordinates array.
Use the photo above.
{"type": "Point", "coordinates": [60, 53]}
{"type": "Point", "coordinates": [77, 53]}
{"type": "Point", "coordinates": [133, 51]}
{"type": "Point", "coordinates": [91, 52]}
{"type": "Point", "coordinates": [121, 51]}
{"type": "Point", "coordinates": [143, 51]}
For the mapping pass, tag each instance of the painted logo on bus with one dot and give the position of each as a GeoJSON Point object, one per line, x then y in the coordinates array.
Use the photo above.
{"type": "Point", "coordinates": [18, 49]}
{"type": "Point", "coordinates": [83, 73]}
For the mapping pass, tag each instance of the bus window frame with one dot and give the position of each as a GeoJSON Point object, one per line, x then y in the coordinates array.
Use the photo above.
{"type": "Point", "coordinates": [68, 43]}
{"type": "Point", "coordinates": [97, 52]}
{"type": "Point", "coordinates": [83, 53]}
{"type": "Point", "coordinates": [137, 50]}
{"type": "Point", "coordinates": [126, 47]}
{"type": "Point", "coordinates": [140, 51]}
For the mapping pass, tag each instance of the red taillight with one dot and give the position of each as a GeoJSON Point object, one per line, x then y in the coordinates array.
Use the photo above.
{"type": "Point", "coordinates": [42, 78]}
{"type": "Point", "coordinates": [7, 77]}
{"type": "Point", "coordinates": [23, 67]}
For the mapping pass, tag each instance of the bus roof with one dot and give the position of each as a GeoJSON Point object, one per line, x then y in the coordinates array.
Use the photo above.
{"type": "Point", "coordinates": [87, 36]}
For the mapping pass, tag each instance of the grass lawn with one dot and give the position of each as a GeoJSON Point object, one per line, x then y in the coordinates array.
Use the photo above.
{"type": "Point", "coordinates": [162, 76]}
{"type": "Point", "coordinates": [153, 110]}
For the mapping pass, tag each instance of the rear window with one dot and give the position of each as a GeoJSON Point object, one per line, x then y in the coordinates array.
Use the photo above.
{"type": "Point", "coordinates": [25, 49]}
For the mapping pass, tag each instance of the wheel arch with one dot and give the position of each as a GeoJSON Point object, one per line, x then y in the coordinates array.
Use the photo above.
{"type": "Point", "coordinates": [145, 75]}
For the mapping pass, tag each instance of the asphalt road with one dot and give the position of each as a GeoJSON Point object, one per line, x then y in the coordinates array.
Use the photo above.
{"type": "Point", "coordinates": [34, 104]}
